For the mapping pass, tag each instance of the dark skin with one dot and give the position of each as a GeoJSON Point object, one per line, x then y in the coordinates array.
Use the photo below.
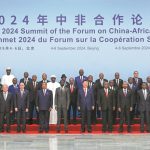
{"type": "Point", "coordinates": [14, 81]}
{"type": "Point", "coordinates": [90, 78]}
{"type": "Point", "coordinates": [26, 74]}
{"type": "Point", "coordinates": [53, 79]}
{"type": "Point", "coordinates": [8, 71]}
{"type": "Point", "coordinates": [64, 79]}
{"type": "Point", "coordinates": [144, 86]}
{"type": "Point", "coordinates": [101, 76]}
{"type": "Point", "coordinates": [34, 78]}
{"type": "Point", "coordinates": [148, 79]}
{"type": "Point", "coordinates": [81, 72]}
{"type": "Point", "coordinates": [117, 75]}
{"type": "Point", "coordinates": [62, 83]}
{"type": "Point", "coordinates": [130, 80]}
{"type": "Point", "coordinates": [111, 83]}
{"type": "Point", "coordinates": [44, 76]}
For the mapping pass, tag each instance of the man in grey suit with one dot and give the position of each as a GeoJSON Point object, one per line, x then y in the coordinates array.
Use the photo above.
{"type": "Point", "coordinates": [44, 104]}
{"type": "Point", "coordinates": [6, 107]}
{"type": "Point", "coordinates": [21, 107]}
{"type": "Point", "coordinates": [144, 106]}
{"type": "Point", "coordinates": [62, 101]}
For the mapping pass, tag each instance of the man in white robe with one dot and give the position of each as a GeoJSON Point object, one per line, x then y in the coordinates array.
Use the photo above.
{"type": "Point", "coordinates": [52, 86]}
{"type": "Point", "coordinates": [8, 77]}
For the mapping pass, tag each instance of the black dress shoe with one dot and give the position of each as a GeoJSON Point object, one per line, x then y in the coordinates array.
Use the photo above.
{"type": "Point", "coordinates": [142, 131]}
{"type": "Point", "coordinates": [46, 130]}
{"type": "Point", "coordinates": [8, 130]}
{"type": "Point", "coordinates": [58, 130]}
{"type": "Point", "coordinates": [66, 130]}
{"type": "Point", "coordinates": [82, 130]}
{"type": "Point", "coordinates": [24, 130]}
{"type": "Point", "coordinates": [18, 129]}
{"type": "Point", "coordinates": [129, 130]}
{"type": "Point", "coordinates": [120, 130]}
{"type": "Point", "coordinates": [40, 131]}
{"type": "Point", "coordinates": [104, 131]}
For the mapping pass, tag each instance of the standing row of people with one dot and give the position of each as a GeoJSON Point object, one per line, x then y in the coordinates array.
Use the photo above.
{"type": "Point", "coordinates": [90, 100]}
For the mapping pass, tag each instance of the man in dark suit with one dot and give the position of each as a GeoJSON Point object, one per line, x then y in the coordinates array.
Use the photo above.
{"type": "Point", "coordinates": [148, 82]}
{"type": "Point", "coordinates": [6, 108]}
{"type": "Point", "coordinates": [138, 84]}
{"type": "Point", "coordinates": [21, 104]}
{"type": "Point", "coordinates": [33, 88]}
{"type": "Point", "coordinates": [14, 88]}
{"type": "Point", "coordinates": [0, 86]}
{"type": "Point", "coordinates": [85, 104]}
{"type": "Point", "coordinates": [62, 101]}
{"type": "Point", "coordinates": [79, 79]}
{"type": "Point", "coordinates": [64, 77]}
{"type": "Point", "coordinates": [91, 86]}
{"type": "Point", "coordinates": [73, 100]}
{"type": "Point", "coordinates": [44, 79]}
{"type": "Point", "coordinates": [26, 80]}
{"type": "Point", "coordinates": [99, 84]}
{"type": "Point", "coordinates": [125, 103]}
{"type": "Point", "coordinates": [132, 87]}
{"type": "Point", "coordinates": [113, 88]}
{"type": "Point", "coordinates": [44, 104]}
{"type": "Point", "coordinates": [117, 81]}
{"type": "Point", "coordinates": [118, 85]}
{"type": "Point", "coordinates": [144, 106]}
{"type": "Point", "coordinates": [106, 103]}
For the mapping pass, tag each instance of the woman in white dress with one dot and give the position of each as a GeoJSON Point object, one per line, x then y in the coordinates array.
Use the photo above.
{"type": "Point", "coordinates": [53, 85]}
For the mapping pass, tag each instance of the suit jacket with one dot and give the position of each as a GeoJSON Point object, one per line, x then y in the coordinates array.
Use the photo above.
{"type": "Point", "coordinates": [6, 105]}
{"type": "Point", "coordinates": [118, 87]}
{"type": "Point", "coordinates": [67, 84]}
{"type": "Point", "coordinates": [22, 102]}
{"type": "Point", "coordinates": [125, 100]}
{"type": "Point", "coordinates": [133, 90]}
{"type": "Point", "coordinates": [106, 102]}
{"type": "Point", "coordinates": [139, 84]}
{"type": "Point", "coordinates": [78, 82]}
{"type": "Point", "coordinates": [40, 84]}
{"type": "Point", "coordinates": [13, 90]}
{"type": "Point", "coordinates": [143, 105]}
{"type": "Point", "coordinates": [44, 102]}
{"type": "Point", "coordinates": [33, 91]}
{"type": "Point", "coordinates": [0, 87]}
{"type": "Point", "coordinates": [85, 101]}
{"type": "Point", "coordinates": [73, 95]}
{"type": "Point", "coordinates": [62, 98]}
{"type": "Point", "coordinates": [97, 87]}
{"type": "Point", "coordinates": [26, 84]}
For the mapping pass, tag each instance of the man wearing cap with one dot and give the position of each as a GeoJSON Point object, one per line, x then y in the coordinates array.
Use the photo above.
{"type": "Point", "coordinates": [53, 85]}
{"type": "Point", "coordinates": [64, 77]}
{"type": "Point", "coordinates": [8, 77]}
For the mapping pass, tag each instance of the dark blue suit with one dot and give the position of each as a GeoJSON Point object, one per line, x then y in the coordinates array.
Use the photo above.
{"type": "Point", "coordinates": [78, 82]}
{"type": "Point", "coordinates": [85, 102]}
{"type": "Point", "coordinates": [22, 103]}
{"type": "Point", "coordinates": [13, 89]}
{"type": "Point", "coordinates": [44, 102]}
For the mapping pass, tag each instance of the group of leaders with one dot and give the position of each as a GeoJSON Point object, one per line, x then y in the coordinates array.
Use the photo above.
{"type": "Point", "coordinates": [53, 101]}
